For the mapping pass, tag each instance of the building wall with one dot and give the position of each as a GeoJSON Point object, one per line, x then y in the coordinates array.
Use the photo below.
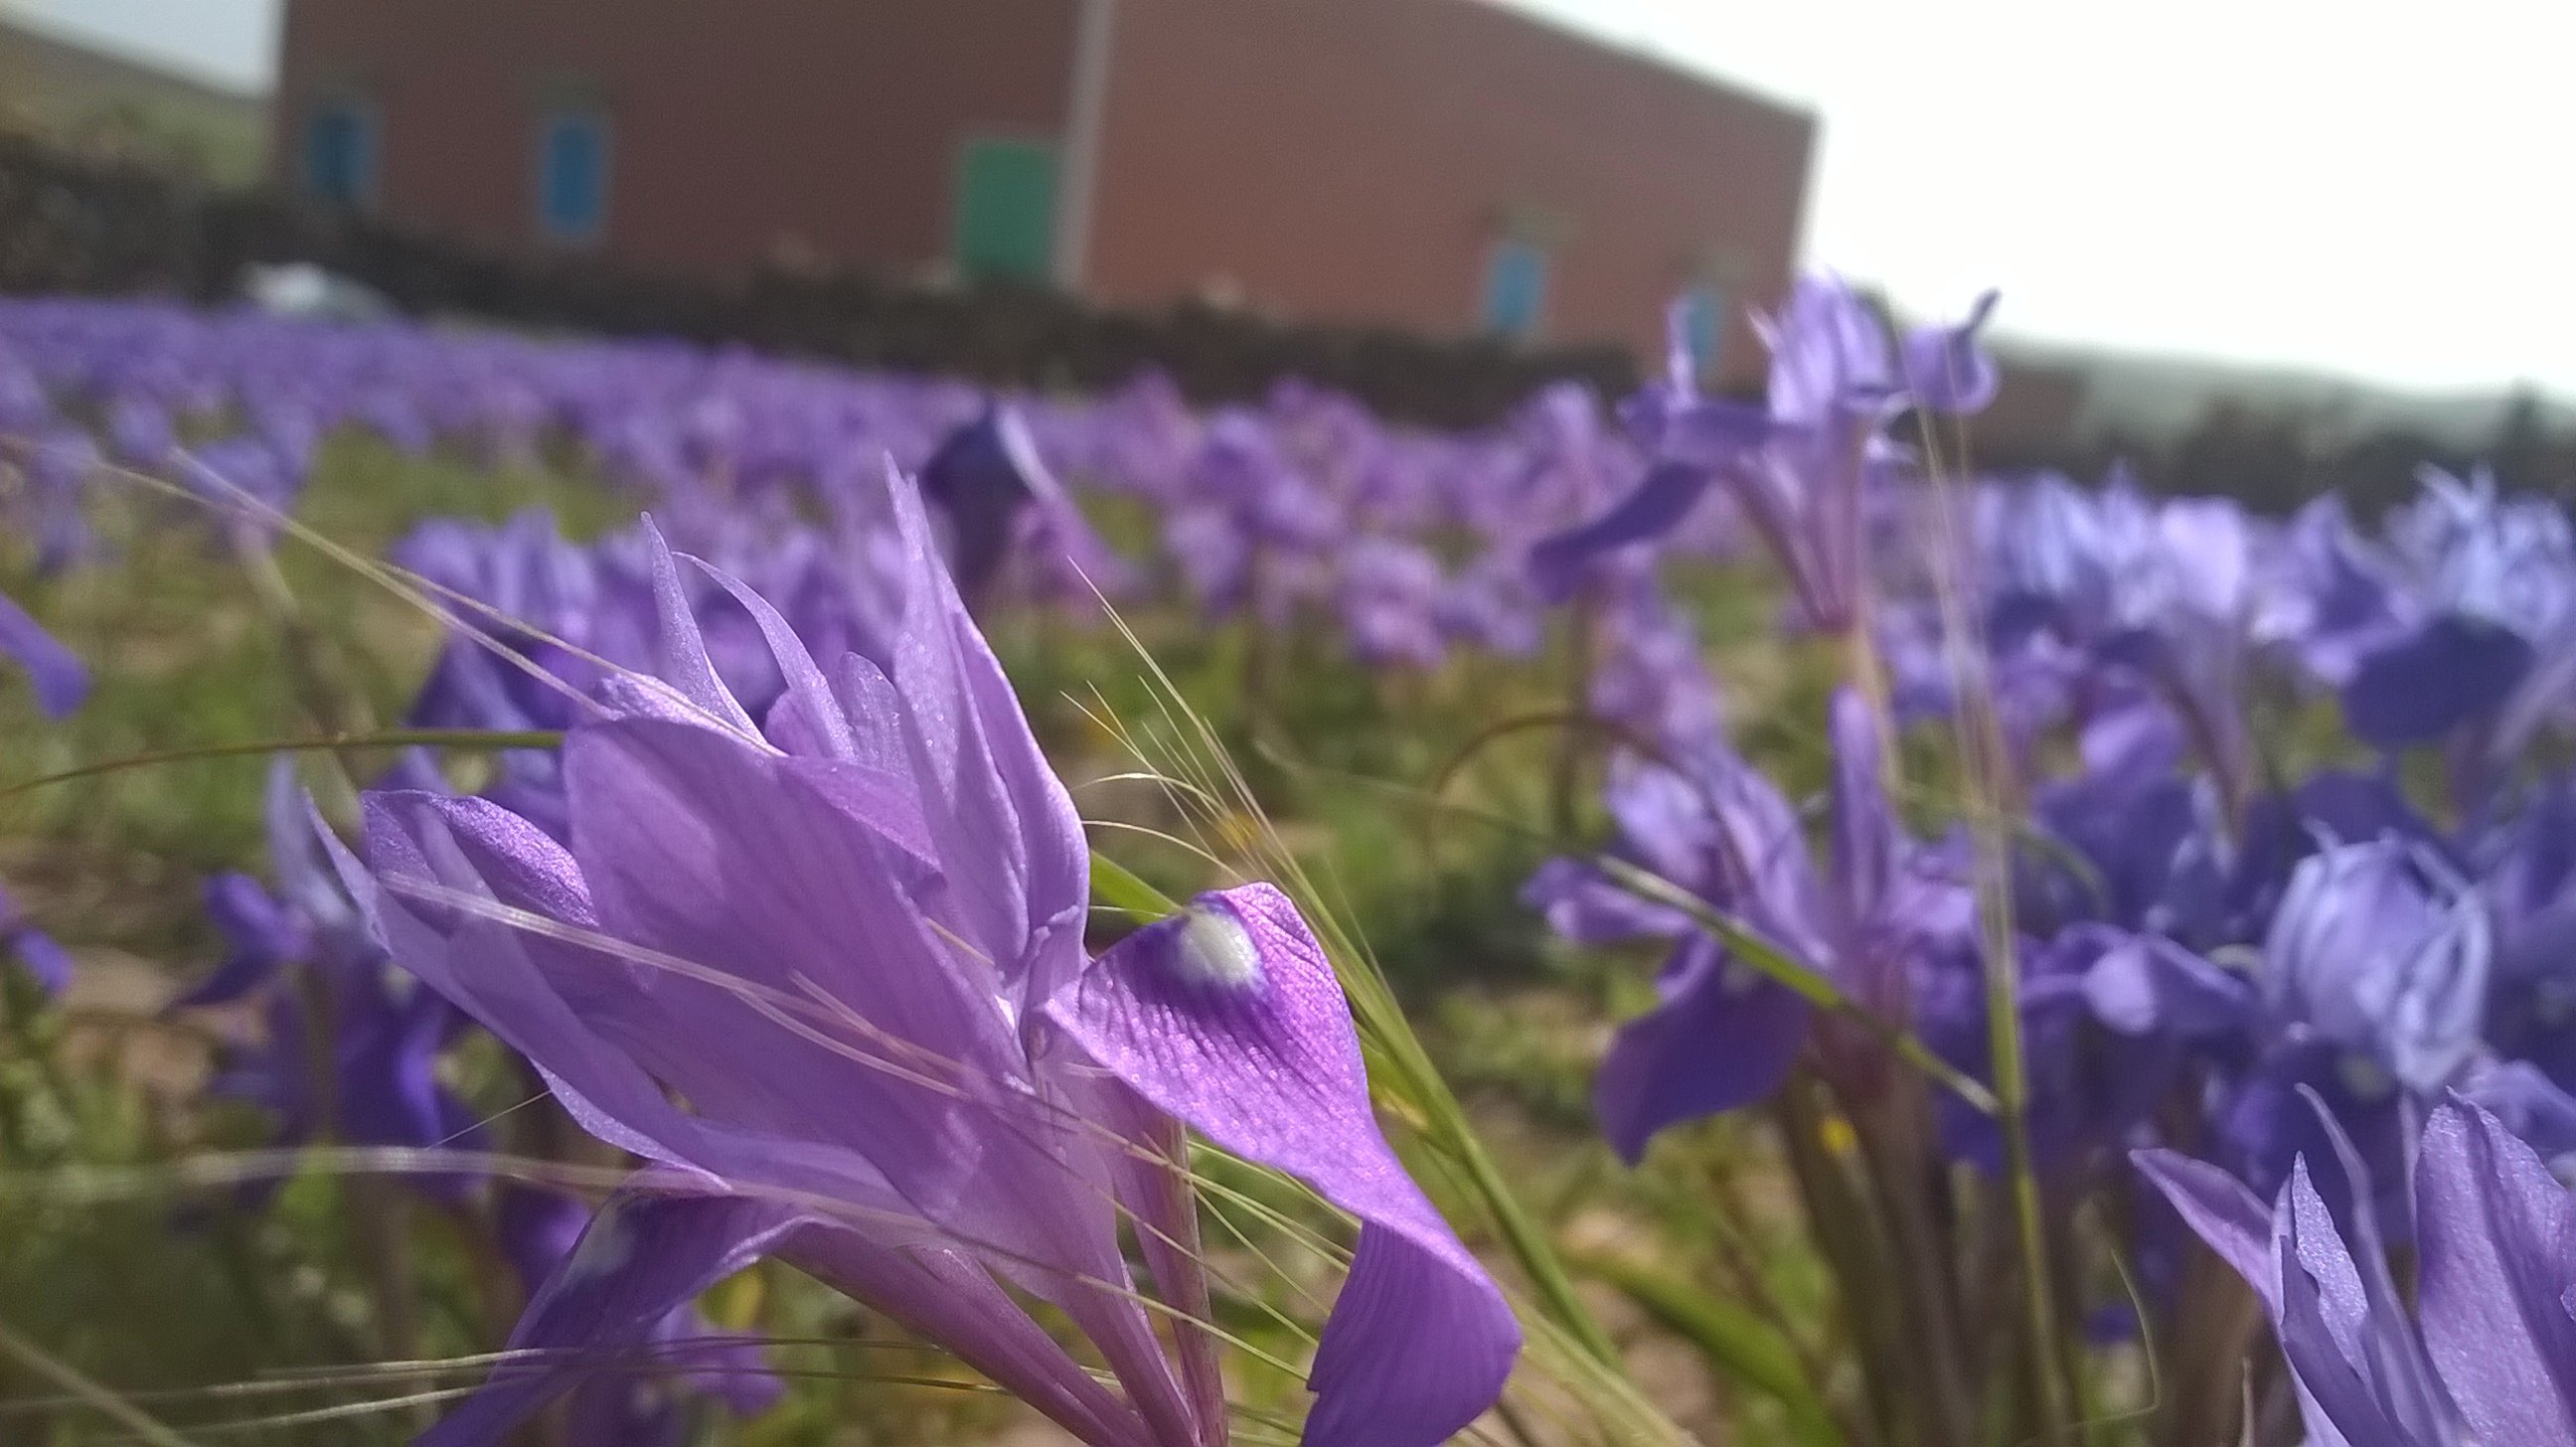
{"type": "Point", "coordinates": [740, 130]}
{"type": "Point", "coordinates": [1355, 160]}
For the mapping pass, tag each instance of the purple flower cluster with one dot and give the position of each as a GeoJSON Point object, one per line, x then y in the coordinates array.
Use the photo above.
{"type": "Point", "coordinates": [2262, 885]}
{"type": "Point", "coordinates": [1303, 510]}
{"type": "Point", "coordinates": [850, 934]}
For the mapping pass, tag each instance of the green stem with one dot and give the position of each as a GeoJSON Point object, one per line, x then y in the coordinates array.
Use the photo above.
{"type": "Point", "coordinates": [1810, 985]}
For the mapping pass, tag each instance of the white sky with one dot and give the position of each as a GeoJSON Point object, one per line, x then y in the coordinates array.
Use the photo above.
{"type": "Point", "coordinates": [2382, 188]}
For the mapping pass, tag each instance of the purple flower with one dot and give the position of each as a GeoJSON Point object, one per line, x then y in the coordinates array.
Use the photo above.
{"type": "Point", "coordinates": [2379, 950]}
{"type": "Point", "coordinates": [1725, 1035]}
{"type": "Point", "coordinates": [622, 1398]}
{"type": "Point", "coordinates": [2493, 595]}
{"type": "Point", "coordinates": [44, 959]}
{"type": "Point", "coordinates": [850, 937]}
{"type": "Point", "coordinates": [1650, 676]}
{"type": "Point", "coordinates": [2109, 1019]}
{"type": "Point", "coordinates": [2489, 1355]}
{"type": "Point", "coordinates": [982, 478]}
{"type": "Point", "coordinates": [61, 680]}
{"type": "Point", "coordinates": [2327, 596]}
{"type": "Point", "coordinates": [1389, 599]}
{"type": "Point", "coordinates": [326, 989]}
{"type": "Point", "coordinates": [1802, 468]}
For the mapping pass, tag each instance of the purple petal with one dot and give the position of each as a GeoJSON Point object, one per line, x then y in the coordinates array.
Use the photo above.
{"type": "Point", "coordinates": [988, 793]}
{"type": "Point", "coordinates": [2229, 1218]}
{"type": "Point", "coordinates": [685, 665]}
{"type": "Point", "coordinates": [2147, 985]}
{"type": "Point", "coordinates": [1722, 1038]}
{"type": "Point", "coordinates": [1228, 1016]}
{"type": "Point", "coordinates": [2362, 1377]}
{"type": "Point", "coordinates": [60, 678]}
{"type": "Point", "coordinates": [1659, 504]}
{"type": "Point", "coordinates": [44, 957]}
{"type": "Point", "coordinates": [642, 1257]}
{"type": "Point", "coordinates": [947, 1298]}
{"type": "Point", "coordinates": [2498, 1237]}
{"type": "Point", "coordinates": [2454, 669]}
{"type": "Point", "coordinates": [1582, 904]}
{"type": "Point", "coordinates": [1946, 370]}
{"type": "Point", "coordinates": [264, 937]}
{"type": "Point", "coordinates": [1866, 837]}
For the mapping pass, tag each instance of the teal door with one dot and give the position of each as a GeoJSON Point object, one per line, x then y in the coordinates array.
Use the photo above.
{"type": "Point", "coordinates": [1006, 209]}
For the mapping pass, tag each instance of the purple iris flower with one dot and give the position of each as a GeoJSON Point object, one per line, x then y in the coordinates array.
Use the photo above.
{"type": "Point", "coordinates": [58, 468]}
{"type": "Point", "coordinates": [2109, 1021]}
{"type": "Point", "coordinates": [2489, 1353]}
{"type": "Point", "coordinates": [2328, 596]}
{"type": "Point", "coordinates": [623, 1402]}
{"type": "Point", "coordinates": [2526, 872]}
{"type": "Point", "coordinates": [1726, 1035]}
{"type": "Point", "coordinates": [1801, 468]}
{"type": "Point", "coordinates": [1650, 676]}
{"type": "Point", "coordinates": [61, 680]}
{"type": "Point", "coordinates": [983, 477]}
{"type": "Point", "coordinates": [2136, 842]}
{"type": "Point", "coordinates": [42, 956]}
{"type": "Point", "coordinates": [2380, 949]}
{"type": "Point", "coordinates": [851, 938]}
{"type": "Point", "coordinates": [1389, 599]}
{"type": "Point", "coordinates": [307, 949]}
{"type": "Point", "coordinates": [2495, 593]}
{"type": "Point", "coordinates": [2374, 987]}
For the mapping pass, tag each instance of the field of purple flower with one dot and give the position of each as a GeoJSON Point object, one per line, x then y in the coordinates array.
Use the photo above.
{"type": "Point", "coordinates": [621, 894]}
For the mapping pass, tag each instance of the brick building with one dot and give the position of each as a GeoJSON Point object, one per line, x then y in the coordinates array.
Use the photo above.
{"type": "Point", "coordinates": [1441, 165]}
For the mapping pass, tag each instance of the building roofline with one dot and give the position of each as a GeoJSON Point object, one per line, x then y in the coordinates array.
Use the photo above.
{"type": "Point", "coordinates": [1643, 57]}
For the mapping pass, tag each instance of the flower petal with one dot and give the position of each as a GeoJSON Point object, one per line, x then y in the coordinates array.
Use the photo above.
{"type": "Point", "coordinates": [2498, 1236]}
{"type": "Point", "coordinates": [1722, 1038]}
{"type": "Point", "coordinates": [1228, 1016]}
{"type": "Point", "coordinates": [1658, 505]}
{"type": "Point", "coordinates": [2229, 1218]}
{"type": "Point", "coordinates": [60, 678]}
{"type": "Point", "coordinates": [2454, 669]}
{"type": "Point", "coordinates": [643, 1256]}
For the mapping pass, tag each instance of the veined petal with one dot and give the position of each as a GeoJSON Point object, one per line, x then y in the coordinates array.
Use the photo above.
{"type": "Point", "coordinates": [470, 898]}
{"type": "Point", "coordinates": [685, 665]}
{"type": "Point", "coordinates": [1228, 1016]}
{"type": "Point", "coordinates": [2498, 1236]}
{"type": "Point", "coordinates": [988, 794]}
{"type": "Point", "coordinates": [2360, 1369]}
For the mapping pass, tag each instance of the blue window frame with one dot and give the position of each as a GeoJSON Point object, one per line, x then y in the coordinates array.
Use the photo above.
{"type": "Point", "coordinates": [572, 175]}
{"type": "Point", "coordinates": [1704, 326]}
{"type": "Point", "coordinates": [340, 153]}
{"type": "Point", "coordinates": [1516, 287]}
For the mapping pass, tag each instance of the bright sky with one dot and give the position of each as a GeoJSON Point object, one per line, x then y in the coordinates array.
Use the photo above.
{"type": "Point", "coordinates": [2382, 190]}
